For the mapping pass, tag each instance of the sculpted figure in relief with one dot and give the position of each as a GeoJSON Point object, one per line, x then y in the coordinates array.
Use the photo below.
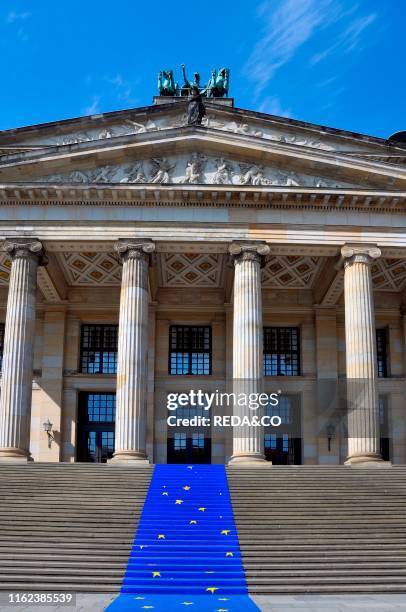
{"type": "Point", "coordinates": [104, 174]}
{"type": "Point", "coordinates": [213, 122]}
{"type": "Point", "coordinates": [141, 128]}
{"type": "Point", "coordinates": [223, 172]}
{"type": "Point", "coordinates": [136, 175]}
{"type": "Point", "coordinates": [74, 139]}
{"type": "Point", "coordinates": [194, 169]}
{"type": "Point", "coordinates": [252, 174]}
{"type": "Point", "coordinates": [291, 180]}
{"type": "Point", "coordinates": [106, 133]}
{"type": "Point", "coordinates": [160, 170]}
{"type": "Point", "coordinates": [243, 128]}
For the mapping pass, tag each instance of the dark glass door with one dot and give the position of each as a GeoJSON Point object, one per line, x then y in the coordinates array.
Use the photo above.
{"type": "Point", "coordinates": [191, 447]}
{"type": "Point", "coordinates": [189, 444]}
{"type": "Point", "coordinates": [384, 427]}
{"type": "Point", "coordinates": [283, 444]}
{"type": "Point", "coordinates": [95, 427]}
{"type": "Point", "coordinates": [283, 449]}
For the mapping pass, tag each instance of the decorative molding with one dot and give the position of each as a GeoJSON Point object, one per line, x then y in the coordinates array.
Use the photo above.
{"type": "Point", "coordinates": [88, 269]}
{"type": "Point", "coordinates": [291, 271]}
{"type": "Point", "coordinates": [389, 274]}
{"type": "Point", "coordinates": [5, 268]}
{"type": "Point", "coordinates": [218, 196]}
{"type": "Point", "coordinates": [191, 269]}
{"type": "Point", "coordinates": [335, 290]}
{"type": "Point", "coordinates": [47, 285]}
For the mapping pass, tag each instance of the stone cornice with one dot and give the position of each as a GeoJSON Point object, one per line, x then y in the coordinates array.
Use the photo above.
{"type": "Point", "coordinates": [235, 113]}
{"type": "Point", "coordinates": [304, 198]}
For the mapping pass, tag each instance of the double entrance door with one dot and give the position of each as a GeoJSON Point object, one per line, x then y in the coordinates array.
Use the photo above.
{"type": "Point", "coordinates": [189, 444]}
{"type": "Point", "coordinates": [95, 427]}
{"type": "Point", "coordinates": [283, 445]}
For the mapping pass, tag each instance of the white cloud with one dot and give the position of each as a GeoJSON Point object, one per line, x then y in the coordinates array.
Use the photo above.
{"type": "Point", "coordinates": [289, 24]}
{"type": "Point", "coordinates": [94, 106]}
{"type": "Point", "coordinates": [13, 16]}
{"type": "Point", "coordinates": [123, 90]}
{"type": "Point", "coordinates": [273, 106]}
{"type": "Point", "coordinates": [348, 40]}
{"type": "Point", "coordinates": [286, 29]}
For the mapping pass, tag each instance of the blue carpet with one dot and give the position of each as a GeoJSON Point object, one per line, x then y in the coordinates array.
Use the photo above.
{"type": "Point", "coordinates": [185, 554]}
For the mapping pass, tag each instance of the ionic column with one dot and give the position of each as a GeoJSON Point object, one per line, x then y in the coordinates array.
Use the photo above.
{"type": "Point", "coordinates": [131, 400]}
{"type": "Point", "coordinates": [360, 336]}
{"type": "Point", "coordinates": [248, 442]}
{"type": "Point", "coordinates": [16, 387]}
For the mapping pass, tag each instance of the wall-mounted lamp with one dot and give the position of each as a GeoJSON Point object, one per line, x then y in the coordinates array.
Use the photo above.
{"type": "Point", "coordinates": [330, 429]}
{"type": "Point", "coordinates": [47, 426]}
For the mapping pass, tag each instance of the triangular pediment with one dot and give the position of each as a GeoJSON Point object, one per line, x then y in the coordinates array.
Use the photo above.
{"type": "Point", "coordinates": [219, 115]}
{"type": "Point", "coordinates": [156, 147]}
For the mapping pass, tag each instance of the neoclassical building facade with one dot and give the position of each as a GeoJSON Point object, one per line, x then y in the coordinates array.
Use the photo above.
{"type": "Point", "coordinates": [141, 256]}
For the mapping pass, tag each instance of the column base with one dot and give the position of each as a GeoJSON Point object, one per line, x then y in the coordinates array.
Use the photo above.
{"type": "Point", "coordinates": [248, 460]}
{"type": "Point", "coordinates": [367, 460]}
{"type": "Point", "coordinates": [129, 457]}
{"type": "Point", "coordinates": [14, 455]}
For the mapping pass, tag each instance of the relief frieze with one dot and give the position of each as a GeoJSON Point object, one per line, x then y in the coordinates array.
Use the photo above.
{"type": "Point", "coordinates": [193, 169]}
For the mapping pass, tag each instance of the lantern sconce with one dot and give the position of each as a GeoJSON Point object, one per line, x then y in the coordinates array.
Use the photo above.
{"type": "Point", "coordinates": [330, 429]}
{"type": "Point", "coordinates": [48, 429]}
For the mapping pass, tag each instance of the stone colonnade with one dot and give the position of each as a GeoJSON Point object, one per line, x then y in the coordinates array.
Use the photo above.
{"type": "Point", "coordinates": [15, 401]}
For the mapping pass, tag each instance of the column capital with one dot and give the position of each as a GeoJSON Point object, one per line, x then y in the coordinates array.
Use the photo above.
{"type": "Point", "coordinates": [22, 248]}
{"type": "Point", "coordinates": [134, 249]}
{"type": "Point", "coordinates": [249, 251]}
{"type": "Point", "coordinates": [360, 253]}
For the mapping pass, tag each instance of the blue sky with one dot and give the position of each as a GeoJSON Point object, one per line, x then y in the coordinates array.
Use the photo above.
{"type": "Point", "coordinates": [339, 63]}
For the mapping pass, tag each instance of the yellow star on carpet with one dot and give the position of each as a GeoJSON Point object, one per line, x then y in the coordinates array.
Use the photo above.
{"type": "Point", "coordinates": [190, 467]}
{"type": "Point", "coordinates": [142, 546]}
{"type": "Point", "coordinates": [165, 493]}
{"type": "Point", "coordinates": [212, 589]}
{"type": "Point", "coordinates": [178, 502]}
{"type": "Point", "coordinates": [202, 509]}
{"type": "Point", "coordinates": [222, 610]}
{"type": "Point", "coordinates": [188, 603]}
{"type": "Point", "coordinates": [229, 554]}
{"type": "Point", "coordinates": [161, 536]}
{"type": "Point", "coordinates": [225, 531]}
{"type": "Point", "coordinates": [147, 607]}
{"type": "Point", "coordinates": [156, 574]}
{"type": "Point", "coordinates": [223, 598]}
{"type": "Point", "coordinates": [186, 488]}
{"type": "Point", "coordinates": [193, 522]}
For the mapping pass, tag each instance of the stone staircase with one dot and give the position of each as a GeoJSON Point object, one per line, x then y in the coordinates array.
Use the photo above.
{"type": "Point", "coordinates": [303, 529]}
{"type": "Point", "coordinates": [321, 529]}
{"type": "Point", "coordinates": [68, 526]}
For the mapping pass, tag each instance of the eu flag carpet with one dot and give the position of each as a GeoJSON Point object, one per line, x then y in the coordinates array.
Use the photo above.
{"type": "Point", "coordinates": [185, 554]}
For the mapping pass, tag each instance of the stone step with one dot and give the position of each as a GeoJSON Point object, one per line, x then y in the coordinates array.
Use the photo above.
{"type": "Point", "coordinates": [321, 530]}
{"type": "Point", "coordinates": [69, 527]}
{"type": "Point", "coordinates": [314, 529]}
